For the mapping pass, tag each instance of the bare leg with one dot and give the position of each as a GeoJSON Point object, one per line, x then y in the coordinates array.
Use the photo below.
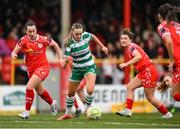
{"type": "Point", "coordinates": [149, 92]}
{"type": "Point", "coordinates": [90, 84]}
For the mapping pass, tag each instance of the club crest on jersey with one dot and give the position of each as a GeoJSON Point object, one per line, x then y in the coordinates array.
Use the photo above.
{"type": "Point", "coordinates": [40, 45]}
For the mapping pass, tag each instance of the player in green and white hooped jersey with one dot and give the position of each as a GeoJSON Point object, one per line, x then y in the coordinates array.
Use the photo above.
{"type": "Point", "coordinates": [83, 65]}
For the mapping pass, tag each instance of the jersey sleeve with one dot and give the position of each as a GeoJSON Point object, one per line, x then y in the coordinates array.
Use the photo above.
{"type": "Point", "coordinates": [87, 35]}
{"type": "Point", "coordinates": [47, 40]}
{"type": "Point", "coordinates": [21, 42]}
{"type": "Point", "coordinates": [67, 51]}
{"type": "Point", "coordinates": [163, 31]}
{"type": "Point", "coordinates": [131, 49]}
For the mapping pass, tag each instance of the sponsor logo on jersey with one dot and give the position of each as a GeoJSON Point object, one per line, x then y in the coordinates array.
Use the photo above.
{"type": "Point", "coordinates": [40, 45]}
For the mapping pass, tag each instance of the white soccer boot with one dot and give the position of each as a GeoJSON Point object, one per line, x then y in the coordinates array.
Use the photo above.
{"type": "Point", "coordinates": [167, 115]}
{"type": "Point", "coordinates": [24, 115]}
{"type": "Point", "coordinates": [53, 108]}
{"type": "Point", "coordinates": [125, 112]}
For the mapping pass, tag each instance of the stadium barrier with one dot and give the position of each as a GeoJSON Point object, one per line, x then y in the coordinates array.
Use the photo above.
{"type": "Point", "coordinates": [12, 100]}
{"type": "Point", "coordinates": [97, 61]}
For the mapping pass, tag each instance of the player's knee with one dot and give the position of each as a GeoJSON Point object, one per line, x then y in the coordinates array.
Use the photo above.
{"type": "Point", "coordinates": [176, 96]}
{"type": "Point", "coordinates": [71, 94]}
{"type": "Point", "coordinates": [90, 91]}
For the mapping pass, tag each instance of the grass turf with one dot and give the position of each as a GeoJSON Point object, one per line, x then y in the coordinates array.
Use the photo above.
{"type": "Point", "coordinates": [152, 120]}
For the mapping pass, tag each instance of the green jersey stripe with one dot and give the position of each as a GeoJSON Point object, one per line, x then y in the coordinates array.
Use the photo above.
{"type": "Point", "coordinates": [80, 52]}
{"type": "Point", "coordinates": [86, 56]}
{"type": "Point", "coordinates": [83, 61]}
{"type": "Point", "coordinates": [81, 65]}
{"type": "Point", "coordinates": [83, 46]}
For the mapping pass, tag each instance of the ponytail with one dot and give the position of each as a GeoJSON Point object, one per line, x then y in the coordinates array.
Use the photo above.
{"type": "Point", "coordinates": [171, 14]}
{"type": "Point", "coordinates": [74, 26]}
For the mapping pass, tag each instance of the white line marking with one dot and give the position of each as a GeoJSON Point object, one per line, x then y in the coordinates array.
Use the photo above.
{"type": "Point", "coordinates": [108, 123]}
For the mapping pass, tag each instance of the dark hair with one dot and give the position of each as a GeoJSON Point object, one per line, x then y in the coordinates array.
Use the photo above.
{"type": "Point", "coordinates": [162, 87]}
{"type": "Point", "coordinates": [168, 11]}
{"type": "Point", "coordinates": [29, 23]}
{"type": "Point", "coordinates": [127, 32]}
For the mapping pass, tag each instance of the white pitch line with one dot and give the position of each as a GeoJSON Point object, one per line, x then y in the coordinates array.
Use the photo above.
{"type": "Point", "coordinates": [153, 124]}
{"type": "Point", "coordinates": [109, 123]}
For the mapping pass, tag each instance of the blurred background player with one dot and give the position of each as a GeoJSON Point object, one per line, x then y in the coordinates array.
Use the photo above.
{"type": "Point", "coordinates": [163, 87]}
{"type": "Point", "coordinates": [169, 30]}
{"type": "Point", "coordinates": [34, 47]}
{"type": "Point", "coordinates": [165, 83]}
{"type": "Point", "coordinates": [147, 76]}
{"type": "Point", "coordinates": [83, 66]}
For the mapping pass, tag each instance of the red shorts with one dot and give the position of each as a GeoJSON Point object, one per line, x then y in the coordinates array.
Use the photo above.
{"type": "Point", "coordinates": [176, 75]}
{"type": "Point", "coordinates": [41, 72]}
{"type": "Point", "coordinates": [82, 84]}
{"type": "Point", "coordinates": [149, 77]}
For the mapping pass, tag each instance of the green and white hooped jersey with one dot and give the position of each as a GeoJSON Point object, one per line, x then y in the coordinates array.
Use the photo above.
{"type": "Point", "coordinates": [80, 52]}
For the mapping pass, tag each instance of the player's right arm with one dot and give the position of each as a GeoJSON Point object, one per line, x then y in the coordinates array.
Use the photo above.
{"type": "Point", "coordinates": [15, 52]}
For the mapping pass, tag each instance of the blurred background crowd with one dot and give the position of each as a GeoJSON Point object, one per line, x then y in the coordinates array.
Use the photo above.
{"type": "Point", "coordinates": [104, 18]}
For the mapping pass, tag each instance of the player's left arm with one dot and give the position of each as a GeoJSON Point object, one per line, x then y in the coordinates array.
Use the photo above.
{"type": "Point", "coordinates": [136, 57]}
{"type": "Point", "coordinates": [104, 49]}
{"type": "Point", "coordinates": [169, 45]}
{"type": "Point", "coordinates": [58, 51]}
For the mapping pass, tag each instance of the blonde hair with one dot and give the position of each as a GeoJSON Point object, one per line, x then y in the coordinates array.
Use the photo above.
{"type": "Point", "coordinates": [74, 26]}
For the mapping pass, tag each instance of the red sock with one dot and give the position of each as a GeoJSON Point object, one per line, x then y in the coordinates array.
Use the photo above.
{"type": "Point", "coordinates": [129, 103]}
{"type": "Point", "coordinates": [46, 97]}
{"type": "Point", "coordinates": [29, 98]}
{"type": "Point", "coordinates": [76, 104]}
{"type": "Point", "coordinates": [163, 109]}
{"type": "Point", "coordinates": [177, 97]}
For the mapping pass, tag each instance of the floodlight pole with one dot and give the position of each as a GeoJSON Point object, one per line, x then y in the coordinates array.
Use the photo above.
{"type": "Point", "coordinates": [65, 27]}
{"type": "Point", "coordinates": [127, 24]}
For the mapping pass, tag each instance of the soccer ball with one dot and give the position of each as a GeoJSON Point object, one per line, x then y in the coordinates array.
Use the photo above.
{"type": "Point", "coordinates": [94, 113]}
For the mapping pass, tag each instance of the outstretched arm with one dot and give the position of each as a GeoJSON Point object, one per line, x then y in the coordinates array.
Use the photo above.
{"type": "Point", "coordinates": [104, 49]}
{"type": "Point", "coordinates": [58, 51]}
{"type": "Point", "coordinates": [137, 57]}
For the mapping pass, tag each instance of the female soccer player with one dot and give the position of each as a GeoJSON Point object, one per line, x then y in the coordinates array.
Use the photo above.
{"type": "Point", "coordinates": [83, 66]}
{"type": "Point", "coordinates": [147, 76]}
{"type": "Point", "coordinates": [34, 47]}
{"type": "Point", "coordinates": [80, 89]}
{"type": "Point", "coordinates": [169, 30]}
{"type": "Point", "coordinates": [165, 84]}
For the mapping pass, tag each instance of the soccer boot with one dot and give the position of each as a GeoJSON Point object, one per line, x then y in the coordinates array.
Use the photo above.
{"type": "Point", "coordinates": [65, 117]}
{"type": "Point", "coordinates": [167, 115]}
{"type": "Point", "coordinates": [24, 115]}
{"type": "Point", "coordinates": [125, 112]}
{"type": "Point", "coordinates": [53, 108]}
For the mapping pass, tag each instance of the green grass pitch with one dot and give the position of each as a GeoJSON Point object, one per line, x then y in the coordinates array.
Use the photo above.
{"type": "Point", "coordinates": [152, 120]}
